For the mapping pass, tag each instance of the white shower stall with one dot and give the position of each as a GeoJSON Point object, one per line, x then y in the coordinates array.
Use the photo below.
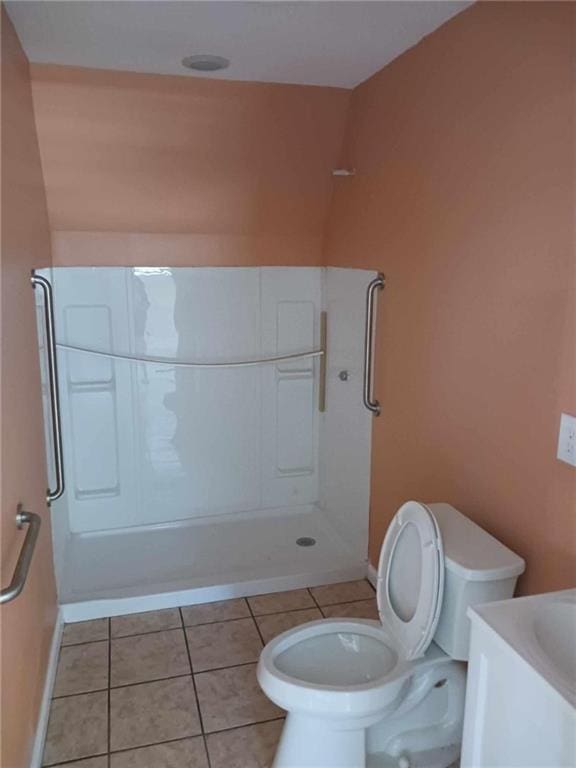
{"type": "Point", "coordinates": [197, 465]}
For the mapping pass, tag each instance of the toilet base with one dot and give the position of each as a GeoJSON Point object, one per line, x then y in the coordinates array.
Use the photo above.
{"type": "Point", "coordinates": [307, 741]}
{"type": "Point", "coordinates": [315, 744]}
{"type": "Point", "coordinates": [424, 731]}
{"type": "Point", "coordinates": [442, 757]}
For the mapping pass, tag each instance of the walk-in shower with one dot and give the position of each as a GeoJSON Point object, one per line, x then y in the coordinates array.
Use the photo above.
{"type": "Point", "coordinates": [213, 426]}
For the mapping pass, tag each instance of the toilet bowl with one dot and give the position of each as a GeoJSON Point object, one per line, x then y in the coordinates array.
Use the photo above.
{"type": "Point", "coordinates": [333, 668]}
{"type": "Point", "coordinates": [367, 693]}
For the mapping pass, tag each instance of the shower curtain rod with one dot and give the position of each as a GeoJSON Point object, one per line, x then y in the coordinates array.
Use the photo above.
{"type": "Point", "coordinates": [185, 364]}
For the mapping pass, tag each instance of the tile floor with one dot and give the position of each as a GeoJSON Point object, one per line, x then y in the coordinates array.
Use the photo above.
{"type": "Point", "coordinates": [177, 688]}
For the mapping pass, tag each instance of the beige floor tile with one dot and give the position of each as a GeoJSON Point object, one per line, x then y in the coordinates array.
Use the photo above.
{"type": "Point", "coordinates": [148, 657]}
{"type": "Point", "coordinates": [279, 602]}
{"type": "Point", "coordinates": [250, 747]}
{"type": "Point", "coordinates": [82, 668]}
{"type": "Point", "coordinates": [363, 609]}
{"type": "Point", "coordinates": [89, 762]}
{"type": "Point", "coordinates": [85, 631]}
{"type": "Point", "coordinates": [140, 623]}
{"type": "Point", "coordinates": [188, 753]}
{"type": "Point", "coordinates": [232, 697]}
{"type": "Point", "coordinates": [223, 644]}
{"type": "Point", "coordinates": [153, 712]}
{"type": "Point", "coordinates": [275, 623]}
{"type": "Point", "coordinates": [208, 613]}
{"type": "Point", "coordinates": [347, 592]}
{"type": "Point", "coordinates": [78, 727]}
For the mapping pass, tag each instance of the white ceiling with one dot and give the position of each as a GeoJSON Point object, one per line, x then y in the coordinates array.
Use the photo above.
{"type": "Point", "coordinates": [334, 43]}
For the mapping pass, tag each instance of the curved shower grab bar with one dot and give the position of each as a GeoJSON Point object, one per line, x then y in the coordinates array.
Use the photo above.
{"type": "Point", "coordinates": [191, 364]}
{"type": "Point", "coordinates": [25, 557]}
{"type": "Point", "coordinates": [41, 282]}
{"type": "Point", "coordinates": [369, 401]}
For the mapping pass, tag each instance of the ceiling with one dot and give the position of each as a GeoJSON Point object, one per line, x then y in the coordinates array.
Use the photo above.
{"type": "Point", "coordinates": [330, 43]}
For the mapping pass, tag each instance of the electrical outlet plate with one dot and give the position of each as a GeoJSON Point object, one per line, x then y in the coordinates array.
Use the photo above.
{"type": "Point", "coordinates": [567, 439]}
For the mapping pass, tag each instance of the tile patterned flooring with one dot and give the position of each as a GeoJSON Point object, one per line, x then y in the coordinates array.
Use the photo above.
{"type": "Point", "coordinates": [177, 688]}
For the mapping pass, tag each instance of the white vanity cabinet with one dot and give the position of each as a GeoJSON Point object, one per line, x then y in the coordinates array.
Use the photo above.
{"type": "Point", "coordinates": [521, 693]}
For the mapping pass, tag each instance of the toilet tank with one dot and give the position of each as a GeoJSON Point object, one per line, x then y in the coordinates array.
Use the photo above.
{"type": "Point", "coordinates": [477, 569]}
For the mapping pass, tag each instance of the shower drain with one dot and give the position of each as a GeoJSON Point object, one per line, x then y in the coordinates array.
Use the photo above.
{"type": "Point", "coordinates": [305, 541]}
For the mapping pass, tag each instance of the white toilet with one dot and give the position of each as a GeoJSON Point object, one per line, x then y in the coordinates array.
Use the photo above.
{"type": "Point", "coordinates": [364, 693]}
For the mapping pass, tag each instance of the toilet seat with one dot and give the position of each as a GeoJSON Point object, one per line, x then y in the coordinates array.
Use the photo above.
{"type": "Point", "coordinates": [410, 585]}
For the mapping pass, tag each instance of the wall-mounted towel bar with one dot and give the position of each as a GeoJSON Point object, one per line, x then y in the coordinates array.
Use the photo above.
{"type": "Point", "coordinates": [369, 401]}
{"type": "Point", "coordinates": [25, 558]}
{"type": "Point", "coordinates": [40, 282]}
{"type": "Point", "coordinates": [194, 364]}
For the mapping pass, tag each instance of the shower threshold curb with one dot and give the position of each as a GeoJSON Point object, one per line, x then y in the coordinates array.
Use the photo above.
{"type": "Point", "coordinates": [84, 610]}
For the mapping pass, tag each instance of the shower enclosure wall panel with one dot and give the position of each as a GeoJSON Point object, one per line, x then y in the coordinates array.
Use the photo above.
{"type": "Point", "coordinates": [347, 427]}
{"type": "Point", "coordinates": [184, 479]}
{"type": "Point", "coordinates": [152, 443]}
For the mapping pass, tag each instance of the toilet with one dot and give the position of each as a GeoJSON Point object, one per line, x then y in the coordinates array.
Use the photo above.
{"type": "Point", "coordinates": [391, 692]}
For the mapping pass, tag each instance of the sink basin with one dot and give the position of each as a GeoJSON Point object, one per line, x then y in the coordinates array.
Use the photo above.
{"type": "Point", "coordinates": [555, 634]}
{"type": "Point", "coordinates": [542, 630]}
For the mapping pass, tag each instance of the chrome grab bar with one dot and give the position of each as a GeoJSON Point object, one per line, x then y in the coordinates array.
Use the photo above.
{"type": "Point", "coordinates": [25, 557]}
{"type": "Point", "coordinates": [39, 281]}
{"type": "Point", "coordinates": [193, 364]}
{"type": "Point", "coordinates": [369, 401]}
{"type": "Point", "coordinates": [323, 361]}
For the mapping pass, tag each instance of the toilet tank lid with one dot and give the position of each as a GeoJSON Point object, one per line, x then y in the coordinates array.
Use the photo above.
{"type": "Point", "coordinates": [470, 552]}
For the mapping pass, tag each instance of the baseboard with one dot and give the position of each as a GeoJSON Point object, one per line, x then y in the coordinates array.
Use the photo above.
{"type": "Point", "coordinates": [44, 714]}
{"type": "Point", "coordinates": [371, 574]}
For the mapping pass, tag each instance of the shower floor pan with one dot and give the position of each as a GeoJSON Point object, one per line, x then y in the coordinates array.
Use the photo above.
{"type": "Point", "coordinates": [141, 569]}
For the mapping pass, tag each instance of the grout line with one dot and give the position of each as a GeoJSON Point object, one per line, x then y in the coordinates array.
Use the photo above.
{"type": "Point", "coordinates": [256, 624]}
{"type": "Point", "coordinates": [154, 744]}
{"type": "Point", "coordinates": [84, 642]}
{"type": "Point", "coordinates": [246, 725]}
{"type": "Point", "coordinates": [193, 681]}
{"type": "Point", "coordinates": [316, 603]}
{"type": "Point", "coordinates": [74, 760]}
{"type": "Point", "coordinates": [184, 738]}
{"type": "Point", "coordinates": [205, 740]}
{"type": "Point", "coordinates": [229, 666]}
{"type": "Point", "coordinates": [150, 632]}
{"type": "Point", "coordinates": [187, 650]}
{"type": "Point", "coordinates": [79, 693]}
{"type": "Point", "coordinates": [200, 719]}
{"type": "Point", "coordinates": [153, 680]}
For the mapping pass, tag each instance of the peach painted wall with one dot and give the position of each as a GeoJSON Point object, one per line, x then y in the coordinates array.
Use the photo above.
{"type": "Point", "coordinates": [27, 623]}
{"type": "Point", "coordinates": [464, 197]}
{"type": "Point", "coordinates": [147, 169]}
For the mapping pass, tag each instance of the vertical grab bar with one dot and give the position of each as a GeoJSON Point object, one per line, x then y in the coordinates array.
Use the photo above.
{"type": "Point", "coordinates": [323, 361]}
{"type": "Point", "coordinates": [369, 401]}
{"type": "Point", "coordinates": [41, 282]}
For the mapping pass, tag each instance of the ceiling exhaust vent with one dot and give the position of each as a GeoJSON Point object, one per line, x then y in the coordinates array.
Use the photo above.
{"type": "Point", "coordinates": [205, 62]}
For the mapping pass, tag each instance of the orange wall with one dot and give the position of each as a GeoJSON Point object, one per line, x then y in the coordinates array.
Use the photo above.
{"type": "Point", "coordinates": [464, 197]}
{"type": "Point", "coordinates": [177, 170]}
{"type": "Point", "coordinates": [27, 623]}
